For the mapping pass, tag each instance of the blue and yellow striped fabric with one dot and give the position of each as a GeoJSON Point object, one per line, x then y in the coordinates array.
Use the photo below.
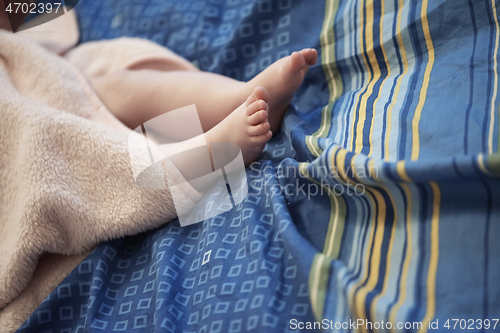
{"type": "Point", "coordinates": [413, 118]}
{"type": "Point", "coordinates": [379, 200]}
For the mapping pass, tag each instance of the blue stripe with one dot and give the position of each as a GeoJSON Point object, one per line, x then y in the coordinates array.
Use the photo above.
{"type": "Point", "coordinates": [379, 57]}
{"type": "Point", "coordinates": [388, 223]}
{"type": "Point", "coordinates": [455, 167]}
{"type": "Point", "coordinates": [358, 107]}
{"type": "Point", "coordinates": [363, 242]}
{"type": "Point", "coordinates": [393, 88]}
{"type": "Point", "coordinates": [359, 67]}
{"type": "Point", "coordinates": [405, 249]}
{"type": "Point", "coordinates": [340, 62]}
{"type": "Point", "coordinates": [412, 27]}
{"type": "Point", "coordinates": [417, 311]}
{"type": "Point", "coordinates": [375, 226]}
{"type": "Point", "coordinates": [388, 171]}
{"type": "Point", "coordinates": [347, 166]}
{"type": "Point", "coordinates": [344, 234]}
{"type": "Point", "coordinates": [364, 216]}
{"type": "Point", "coordinates": [471, 94]}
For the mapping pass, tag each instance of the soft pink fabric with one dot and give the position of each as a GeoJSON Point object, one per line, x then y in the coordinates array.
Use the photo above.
{"type": "Point", "coordinates": [65, 173]}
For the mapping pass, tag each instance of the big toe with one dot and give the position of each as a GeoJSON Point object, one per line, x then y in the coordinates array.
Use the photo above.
{"type": "Point", "coordinates": [310, 56]}
{"type": "Point", "coordinates": [296, 63]}
{"type": "Point", "coordinates": [259, 93]}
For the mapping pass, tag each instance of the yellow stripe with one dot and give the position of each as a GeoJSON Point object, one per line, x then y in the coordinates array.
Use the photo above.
{"type": "Point", "coordinates": [372, 169]}
{"type": "Point", "coordinates": [314, 282]}
{"type": "Point", "coordinates": [425, 84]}
{"type": "Point", "coordinates": [340, 164]}
{"type": "Point", "coordinates": [493, 162]}
{"type": "Point", "coordinates": [382, 8]}
{"type": "Point", "coordinates": [317, 284]}
{"type": "Point", "coordinates": [312, 144]}
{"type": "Point", "coordinates": [433, 262]}
{"type": "Point", "coordinates": [336, 225]}
{"type": "Point", "coordinates": [318, 260]}
{"type": "Point", "coordinates": [406, 264]}
{"type": "Point", "coordinates": [373, 79]}
{"type": "Point", "coordinates": [353, 168]}
{"type": "Point", "coordinates": [484, 169]}
{"type": "Point", "coordinates": [398, 82]}
{"type": "Point", "coordinates": [400, 168]}
{"type": "Point", "coordinates": [328, 64]}
{"type": "Point", "coordinates": [330, 248]}
{"type": "Point", "coordinates": [495, 63]}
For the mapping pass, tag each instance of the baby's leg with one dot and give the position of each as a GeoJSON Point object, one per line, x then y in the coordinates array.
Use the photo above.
{"type": "Point", "coordinates": [135, 96]}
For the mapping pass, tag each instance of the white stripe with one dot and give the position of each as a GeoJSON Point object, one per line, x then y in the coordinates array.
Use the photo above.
{"type": "Point", "coordinates": [495, 87]}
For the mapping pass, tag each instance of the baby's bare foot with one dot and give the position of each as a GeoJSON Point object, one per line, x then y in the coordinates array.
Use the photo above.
{"type": "Point", "coordinates": [281, 80]}
{"type": "Point", "coordinates": [247, 126]}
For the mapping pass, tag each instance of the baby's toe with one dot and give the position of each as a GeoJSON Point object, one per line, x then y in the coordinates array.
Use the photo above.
{"type": "Point", "coordinates": [295, 63]}
{"type": "Point", "coordinates": [256, 106]}
{"type": "Point", "coordinates": [259, 129]}
{"type": "Point", "coordinates": [257, 118]}
{"type": "Point", "coordinates": [259, 93]}
{"type": "Point", "coordinates": [310, 56]}
{"type": "Point", "coordinates": [261, 139]}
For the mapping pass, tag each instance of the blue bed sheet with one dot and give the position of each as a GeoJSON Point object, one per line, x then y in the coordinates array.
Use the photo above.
{"type": "Point", "coordinates": [379, 199]}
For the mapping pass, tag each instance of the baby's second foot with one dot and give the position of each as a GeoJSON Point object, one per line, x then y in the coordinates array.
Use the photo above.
{"type": "Point", "coordinates": [247, 126]}
{"type": "Point", "coordinates": [282, 79]}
